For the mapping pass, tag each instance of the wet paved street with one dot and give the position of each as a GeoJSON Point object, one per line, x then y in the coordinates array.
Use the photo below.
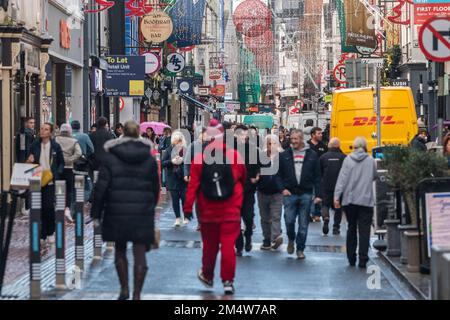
{"type": "Point", "coordinates": [324, 274]}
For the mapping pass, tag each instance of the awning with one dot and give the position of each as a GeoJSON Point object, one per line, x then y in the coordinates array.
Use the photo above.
{"type": "Point", "coordinates": [196, 103]}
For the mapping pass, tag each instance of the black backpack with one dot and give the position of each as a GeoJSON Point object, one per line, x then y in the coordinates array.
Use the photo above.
{"type": "Point", "coordinates": [217, 181]}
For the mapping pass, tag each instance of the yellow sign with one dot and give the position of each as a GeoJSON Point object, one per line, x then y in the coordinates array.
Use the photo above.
{"type": "Point", "coordinates": [156, 27]}
{"type": "Point", "coordinates": [48, 88]}
{"type": "Point", "coordinates": [136, 88]}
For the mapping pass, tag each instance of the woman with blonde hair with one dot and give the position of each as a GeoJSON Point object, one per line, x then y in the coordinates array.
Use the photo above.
{"type": "Point", "coordinates": [173, 162]}
{"type": "Point", "coordinates": [270, 197]}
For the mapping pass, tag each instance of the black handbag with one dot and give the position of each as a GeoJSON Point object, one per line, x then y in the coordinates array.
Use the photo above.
{"type": "Point", "coordinates": [83, 164]}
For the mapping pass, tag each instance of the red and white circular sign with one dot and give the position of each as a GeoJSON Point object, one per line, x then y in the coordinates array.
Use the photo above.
{"type": "Point", "coordinates": [152, 62]}
{"type": "Point", "coordinates": [339, 73]}
{"type": "Point", "coordinates": [434, 39]}
{"type": "Point", "coordinates": [121, 104]}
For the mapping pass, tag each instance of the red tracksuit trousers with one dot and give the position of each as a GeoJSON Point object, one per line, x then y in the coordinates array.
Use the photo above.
{"type": "Point", "coordinates": [221, 236]}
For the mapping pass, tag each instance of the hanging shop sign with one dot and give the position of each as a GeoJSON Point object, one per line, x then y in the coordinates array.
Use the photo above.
{"type": "Point", "coordinates": [427, 9]}
{"type": "Point", "coordinates": [399, 82]}
{"type": "Point", "coordinates": [185, 85]}
{"type": "Point", "coordinates": [218, 90]}
{"type": "Point", "coordinates": [175, 63]}
{"type": "Point", "coordinates": [396, 16]}
{"type": "Point", "coordinates": [434, 39]}
{"type": "Point", "coordinates": [96, 80]}
{"type": "Point", "coordinates": [152, 62]}
{"type": "Point", "coordinates": [125, 77]}
{"type": "Point", "coordinates": [203, 91]}
{"type": "Point", "coordinates": [215, 74]}
{"type": "Point", "coordinates": [156, 27]}
{"type": "Point", "coordinates": [99, 6]}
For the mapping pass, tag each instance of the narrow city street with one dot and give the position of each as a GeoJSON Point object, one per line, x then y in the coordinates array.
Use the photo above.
{"type": "Point", "coordinates": [324, 274]}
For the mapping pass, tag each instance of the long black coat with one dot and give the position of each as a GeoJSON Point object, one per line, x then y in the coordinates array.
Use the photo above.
{"type": "Point", "coordinates": [99, 138]}
{"type": "Point", "coordinates": [127, 190]}
{"type": "Point", "coordinates": [330, 166]}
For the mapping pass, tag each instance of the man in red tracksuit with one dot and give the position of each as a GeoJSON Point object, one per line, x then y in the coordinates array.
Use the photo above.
{"type": "Point", "coordinates": [220, 219]}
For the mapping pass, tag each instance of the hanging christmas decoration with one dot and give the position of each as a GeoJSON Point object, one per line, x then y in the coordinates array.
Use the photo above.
{"type": "Point", "coordinates": [252, 18]}
{"type": "Point", "coordinates": [397, 10]}
{"type": "Point", "coordinates": [260, 43]}
{"type": "Point", "coordinates": [99, 6]}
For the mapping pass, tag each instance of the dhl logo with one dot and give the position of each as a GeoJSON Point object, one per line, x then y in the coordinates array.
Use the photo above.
{"type": "Point", "coordinates": [366, 121]}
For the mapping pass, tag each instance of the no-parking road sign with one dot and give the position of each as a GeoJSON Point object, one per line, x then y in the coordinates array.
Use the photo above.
{"type": "Point", "coordinates": [434, 39]}
{"type": "Point", "coordinates": [339, 74]}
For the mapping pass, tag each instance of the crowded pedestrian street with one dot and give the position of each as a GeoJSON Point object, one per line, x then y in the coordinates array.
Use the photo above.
{"type": "Point", "coordinates": [224, 158]}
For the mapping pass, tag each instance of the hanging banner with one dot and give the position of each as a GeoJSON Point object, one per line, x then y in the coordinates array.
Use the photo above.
{"type": "Point", "coordinates": [156, 27]}
{"type": "Point", "coordinates": [343, 30]}
{"type": "Point", "coordinates": [187, 17]}
{"type": "Point", "coordinates": [360, 32]}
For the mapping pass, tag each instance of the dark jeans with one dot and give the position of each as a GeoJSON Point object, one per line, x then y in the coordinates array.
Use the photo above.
{"type": "Point", "coordinates": [297, 205]}
{"type": "Point", "coordinates": [359, 218]}
{"type": "Point", "coordinates": [247, 215]}
{"type": "Point", "coordinates": [176, 196]}
{"type": "Point", "coordinates": [337, 216]}
{"type": "Point", "coordinates": [68, 176]}
{"type": "Point", "coordinates": [48, 211]}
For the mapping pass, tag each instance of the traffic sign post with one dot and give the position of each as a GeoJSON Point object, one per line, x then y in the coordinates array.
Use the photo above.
{"type": "Point", "coordinates": [434, 41]}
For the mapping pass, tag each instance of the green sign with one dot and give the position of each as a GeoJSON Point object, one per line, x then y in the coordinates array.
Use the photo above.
{"type": "Point", "coordinates": [328, 98]}
{"type": "Point", "coordinates": [342, 26]}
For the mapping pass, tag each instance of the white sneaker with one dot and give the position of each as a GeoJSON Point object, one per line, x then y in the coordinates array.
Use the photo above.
{"type": "Point", "coordinates": [177, 222]}
{"type": "Point", "coordinates": [68, 216]}
{"type": "Point", "coordinates": [186, 221]}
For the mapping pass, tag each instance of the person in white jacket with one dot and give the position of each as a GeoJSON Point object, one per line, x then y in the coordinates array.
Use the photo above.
{"type": "Point", "coordinates": [355, 186]}
{"type": "Point", "coordinates": [72, 152]}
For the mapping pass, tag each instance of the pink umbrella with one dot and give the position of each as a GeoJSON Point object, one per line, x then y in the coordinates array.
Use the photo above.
{"type": "Point", "coordinates": [158, 127]}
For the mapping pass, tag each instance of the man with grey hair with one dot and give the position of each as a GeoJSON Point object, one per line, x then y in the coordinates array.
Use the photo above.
{"type": "Point", "coordinates": [330, 166]}
{"type": "Point", "coordinates": [300, 172]}
{"type": "Point", "coordinates": [355, 186]}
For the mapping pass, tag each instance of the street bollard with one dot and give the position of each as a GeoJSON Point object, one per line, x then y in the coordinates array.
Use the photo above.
{"type": "Point", "coordinates": [79, 222]}
{"type": "Point", "coordinates": [35, 235]}
{"type": "Point", "coordinates": [60, 238]}
{"type": "Point", "coordinates": [98, 241]}
{"type": "Point", "coordinates": [438, 271]}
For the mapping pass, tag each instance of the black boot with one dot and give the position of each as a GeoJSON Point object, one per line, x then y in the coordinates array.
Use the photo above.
{"type": "Point", "coordinates": [325, 228]}
{"type": "Point", "coordinates": [248, 244]}
{"type": "Point", "coordinates": [139, 277]}
{"type": "Point", "coordinates": [122, 272]}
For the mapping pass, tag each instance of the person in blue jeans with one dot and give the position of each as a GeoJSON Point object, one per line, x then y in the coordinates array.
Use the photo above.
{"type": "Point", "coordinates": [300, 172]}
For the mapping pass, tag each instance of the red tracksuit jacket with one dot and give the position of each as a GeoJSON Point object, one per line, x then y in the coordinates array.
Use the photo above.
{"type": "Point", "coordinates": [212, 211]}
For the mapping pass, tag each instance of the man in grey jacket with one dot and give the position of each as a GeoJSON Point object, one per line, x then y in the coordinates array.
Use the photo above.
{"type": "Point", "coordinates": [355, 185]}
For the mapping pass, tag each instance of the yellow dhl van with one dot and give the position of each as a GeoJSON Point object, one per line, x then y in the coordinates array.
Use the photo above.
{"type": "Point", "coordinates": [353, 115]}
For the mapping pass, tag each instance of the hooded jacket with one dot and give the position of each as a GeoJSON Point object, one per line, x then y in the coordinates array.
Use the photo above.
{"type": "Point", "coordinates": [212, 211]}
{"type": "Point", "coordinates": [355, 181]}
{"type": "Point", "coordinates": [127, 190]}
{"type": "Point", "coordinates": [310, 177]}
{"type": "Point", "coordinates": [71, 149]}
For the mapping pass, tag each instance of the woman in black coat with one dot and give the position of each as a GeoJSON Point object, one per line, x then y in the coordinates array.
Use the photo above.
{"type": "Point", "coordinates": [173, 162]}
{"type": "Point", "coordinates": [127, 191]}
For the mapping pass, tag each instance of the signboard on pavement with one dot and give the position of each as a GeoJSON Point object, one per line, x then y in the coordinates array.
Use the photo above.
{"type": "Point", "coordinates": [125, 77]}
{"type": "Point", "coordinates": [434, 39]}
{"type": "Point", "coordinates": [438, 219]}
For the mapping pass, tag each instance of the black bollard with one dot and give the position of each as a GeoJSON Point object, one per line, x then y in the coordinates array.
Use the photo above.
{"type": "Point", "coordinates": [60, 238]}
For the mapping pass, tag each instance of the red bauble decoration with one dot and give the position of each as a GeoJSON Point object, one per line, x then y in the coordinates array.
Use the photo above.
{"type": "Point", "coordinates": [252, 18]}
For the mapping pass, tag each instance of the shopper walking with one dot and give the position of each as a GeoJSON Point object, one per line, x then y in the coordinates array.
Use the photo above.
{"type": "Point", "coordinates": [355, 186]}
{"type": "Point", "coordinates": [330, 166]}
{"type": "Point", "coordinates": [99, 138]}
{"type": "Point", "coordinates": [71, 151]}
{"type": "Point", "coordinates": [218, 187]}
{"type": "Point", "coordinates": [127, 190]}
{"type": "Point", "coordinates": [173, 161]}
{"type": "Point", "coordinates": [249, 152]}
{"type": "Point", "coordinates": [47, 153]}
{"type": "Point", "coordinates": [270, 197]}
{"type": "Point", "coordinates": [300, 171]}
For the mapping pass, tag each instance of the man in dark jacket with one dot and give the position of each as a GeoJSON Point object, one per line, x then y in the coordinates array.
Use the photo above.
{"type": "Point", "coordinates": [300, 171]}
{"type": "Point", "coordinates": [99, 138]}
{"type": "Point", "coordinates": [48, 154]}
{"type": "Point", "coordinates": [24, 140]}
{"type": "Point", "coordinates": [316, 144]}
{"type": "Point", "coordinates": [419, 141]}
{"type": "Point", "coordinates": [127, 191]}
{"type": "Point", "coordinates": [249, 152]}
{"type": "Point", "coordinates": [330, 166]}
